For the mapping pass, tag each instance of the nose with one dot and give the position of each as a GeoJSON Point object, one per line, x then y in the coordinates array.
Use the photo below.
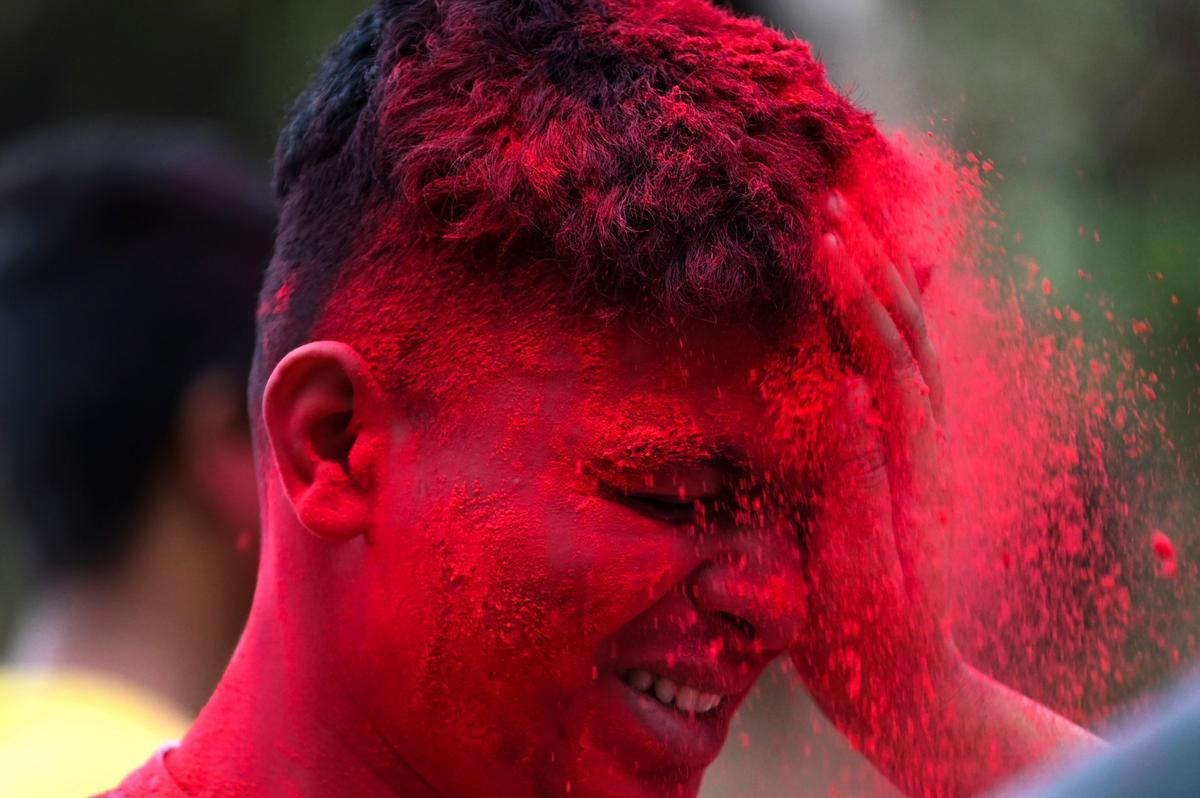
{"type": "Point", "coordinates": [758, 586]}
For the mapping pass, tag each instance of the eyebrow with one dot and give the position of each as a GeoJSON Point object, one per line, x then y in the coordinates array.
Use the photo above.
{"type": "Point", "coordinates": [646, 448]}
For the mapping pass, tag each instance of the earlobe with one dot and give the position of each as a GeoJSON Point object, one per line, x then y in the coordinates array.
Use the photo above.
{"type": "Point", "coordinates": [323, 415]}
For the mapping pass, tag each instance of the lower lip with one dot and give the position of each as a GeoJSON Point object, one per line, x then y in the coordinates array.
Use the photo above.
{"type": "Point", "coordinates": [662, 737]}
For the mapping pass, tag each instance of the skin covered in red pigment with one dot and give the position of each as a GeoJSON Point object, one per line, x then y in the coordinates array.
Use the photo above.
{"type": "Point", "coordinates": [467, 564]}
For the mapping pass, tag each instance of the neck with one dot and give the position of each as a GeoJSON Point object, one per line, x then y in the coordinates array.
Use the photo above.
{"type": "Point", "coordinates": [278, 725]}
{"type": "Point", "coordinates": [155, 621]}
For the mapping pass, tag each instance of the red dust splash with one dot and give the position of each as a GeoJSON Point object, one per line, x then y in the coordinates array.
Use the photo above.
{"type": "Point", "coordinates": [1164, 549]}
{"type": "Point", "coordinates": [1060, 451]}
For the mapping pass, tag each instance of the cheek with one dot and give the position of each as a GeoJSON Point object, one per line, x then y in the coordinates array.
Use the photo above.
{"type": "Point", "coordinates": [530, 586]}
{"type": "Point", "coordinates": [502, 600]}
{"type": "Point", "coordinates": [615, 565]}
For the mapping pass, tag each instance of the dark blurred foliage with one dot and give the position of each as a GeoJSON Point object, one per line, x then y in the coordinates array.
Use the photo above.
{"type": "Point", "coordinates": [238, 63]}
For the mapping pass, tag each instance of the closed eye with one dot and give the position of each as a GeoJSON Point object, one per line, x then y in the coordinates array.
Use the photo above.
{"type": "Point", "coordinates": [663, 508]}
{"type": "Point", "coordinates": [671, 508]}
{"type": "Point", "coordinates": [691, 494]}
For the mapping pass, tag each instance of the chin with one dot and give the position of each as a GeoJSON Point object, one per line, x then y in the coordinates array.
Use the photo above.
{"type": "Point", "coordinates": [620, 781]}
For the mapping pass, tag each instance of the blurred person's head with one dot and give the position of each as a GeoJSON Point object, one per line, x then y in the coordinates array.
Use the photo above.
{"type": "Point", "coordinates": [130, 255]}
{"type": "Point", "coordinates": [535, 262]}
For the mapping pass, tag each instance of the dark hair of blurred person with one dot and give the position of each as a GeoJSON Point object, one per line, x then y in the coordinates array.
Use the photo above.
{"type": "Point", "coordinates": [130, 259]}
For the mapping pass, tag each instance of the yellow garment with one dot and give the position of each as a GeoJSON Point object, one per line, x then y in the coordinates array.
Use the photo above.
{"type": "Point", "coordinates": [65, 735]}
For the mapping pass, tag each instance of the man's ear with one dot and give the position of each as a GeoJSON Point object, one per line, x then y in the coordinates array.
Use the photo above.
{"type": "Point", "coordinates": [325, 417]}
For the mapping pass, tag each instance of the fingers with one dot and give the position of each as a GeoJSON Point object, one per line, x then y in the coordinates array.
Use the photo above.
{"type": "Point", "coordinates": [882, 352]}
{"type": "Point", "coordinates": [910, 278]}
{"type": "Point", "coordinates": [854, 556]}
{"type": "Point", "coordinates": [907, 313]}
{"type": "Point", "coordinates": [895, 285]}
{"type": "Point", "coordinates": [856, 462]}
{"type": "Point", "coordinates": [859, 594]}
{"type": "Point", "coordinates": [891, 345]}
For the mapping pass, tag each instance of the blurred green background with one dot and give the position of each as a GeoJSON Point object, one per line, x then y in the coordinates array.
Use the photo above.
{"type": "Point", "coordinates": [1089, 109]}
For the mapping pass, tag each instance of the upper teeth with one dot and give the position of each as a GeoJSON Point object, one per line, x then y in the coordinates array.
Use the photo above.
{"type": "Point", "coordinates": [682, 697]}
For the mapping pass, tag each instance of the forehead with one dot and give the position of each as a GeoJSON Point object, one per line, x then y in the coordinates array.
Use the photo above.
{"type": "Point", "coordinates": [687, 376]}
{"type": "Point", "coordinates": [711, 392]}
{"type": "Point", "coordinates": [636, 391]}
{"type": "Point", "coordinates": [488, 353]}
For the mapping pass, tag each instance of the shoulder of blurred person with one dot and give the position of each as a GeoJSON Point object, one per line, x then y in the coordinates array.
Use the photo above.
{"type": "Point", "coordinates": [50, 745]}
{"type": "Point", "coordinates": [131, 254]}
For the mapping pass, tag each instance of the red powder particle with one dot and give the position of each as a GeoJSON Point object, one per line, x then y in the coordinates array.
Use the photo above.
{"type": "Point", "coordinates": [1046, 286]}
{"type": "Point", "coordinates": [1140, 327]}
{"type": "Point", "coordinates": [283, 297]}
{"type": "Point", "coordinates": [1149, 393]}
{"type": "Point", "coordinates": [1164, 549]}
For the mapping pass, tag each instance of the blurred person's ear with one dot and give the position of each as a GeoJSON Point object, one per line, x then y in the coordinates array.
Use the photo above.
{"type": "Point", "coordinates": [215, 452]}
{"type": "Point", "coordinates": [324, 416]}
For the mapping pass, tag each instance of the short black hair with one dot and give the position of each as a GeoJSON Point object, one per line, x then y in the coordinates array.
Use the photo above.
{"type": "Point", "coordinates": [130, 257]}
{"type": "Point", "coordinates": [672, 153]}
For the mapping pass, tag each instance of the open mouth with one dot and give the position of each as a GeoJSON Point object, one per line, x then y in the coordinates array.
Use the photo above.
{"type": "Point", "coordinates": [665, 723]}
{"type": "Point", "coordinates": [683, 698]}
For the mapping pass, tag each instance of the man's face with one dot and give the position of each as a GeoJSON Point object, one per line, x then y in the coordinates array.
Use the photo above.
{"type": "Point", "coordinates": [582, 560]}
